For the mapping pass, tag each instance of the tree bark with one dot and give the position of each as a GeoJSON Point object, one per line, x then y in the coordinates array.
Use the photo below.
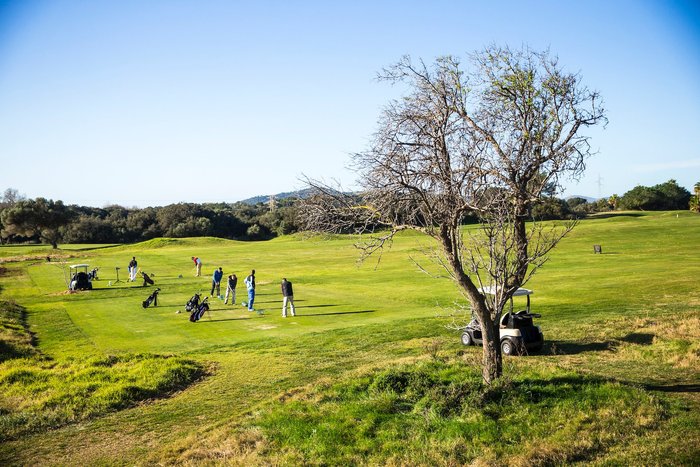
{"type": "Point", "coordinates": [492, 366]}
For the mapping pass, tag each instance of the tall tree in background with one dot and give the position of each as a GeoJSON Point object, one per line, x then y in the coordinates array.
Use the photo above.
{"type": "Point", "coordinates": [488, 142]}
{"type": "Point", "coordinates": [695, 199]}
{"type": "Point", "coordinates": [40, 218]}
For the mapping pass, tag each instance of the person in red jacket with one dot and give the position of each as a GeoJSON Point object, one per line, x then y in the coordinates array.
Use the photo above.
{"type": "Point", "coordinates": [198, 265]}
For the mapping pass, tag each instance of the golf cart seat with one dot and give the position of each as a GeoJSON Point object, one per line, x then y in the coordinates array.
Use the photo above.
{"type": "Point", "coordinates": [518, 320]}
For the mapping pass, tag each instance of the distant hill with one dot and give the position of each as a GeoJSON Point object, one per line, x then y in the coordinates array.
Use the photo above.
{"type": "Point", "coordinates": [305, 193]}
{"type": "Point", "coordinates": [587, 198]}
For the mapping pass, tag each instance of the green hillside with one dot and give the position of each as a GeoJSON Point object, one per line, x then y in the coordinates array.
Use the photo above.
{"type": "Point", "coordinates": [369, 371]}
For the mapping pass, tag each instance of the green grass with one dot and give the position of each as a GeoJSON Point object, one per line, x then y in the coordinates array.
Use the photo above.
{"type": "Point", "coordinates": [437, 413]}
{"type": "Point", "coordinates": [617, 382]}
{"type": "Point", "coordinates": [39, 393]}
{"type": "Point", "coordinates": [42, 394]}
{"type": "Point", "coordinates": [15, 339]}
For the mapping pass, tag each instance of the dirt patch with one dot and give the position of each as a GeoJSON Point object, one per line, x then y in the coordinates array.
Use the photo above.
{"type": "Point", "coordinates": [20, 258]}
{"type": "Point", "coordinates": [687, 327]}
{"type": "Point", "coordinates": [65, 292]}
{"type": "Point", "coordinates": [4, 272]}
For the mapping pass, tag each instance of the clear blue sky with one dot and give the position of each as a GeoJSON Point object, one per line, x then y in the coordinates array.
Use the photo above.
{"type": "Point", "coordinates": [152, 102]}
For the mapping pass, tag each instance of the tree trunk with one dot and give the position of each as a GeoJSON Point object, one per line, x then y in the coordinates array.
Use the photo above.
{"type": "Point", "coordinates": [492, 366]}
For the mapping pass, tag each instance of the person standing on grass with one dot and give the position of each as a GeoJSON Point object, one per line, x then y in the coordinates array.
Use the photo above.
{"type": "Point", "coordinates": [287, 297]}
{"type": "Point", "coordinates": [133, 267]}
{"type": "Point", "coordinates": [231, 289]}
{"type": "Point", "coordinates": [216, 281]}
{"type": "Point", "coordinates": [250, 285]}
{"type": "Point", "coordinates": [197, 265]}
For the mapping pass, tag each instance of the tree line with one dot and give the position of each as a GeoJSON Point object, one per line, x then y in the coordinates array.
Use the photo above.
{"type": "Point", "coordinates": [25, 220]}
{"type": "Point", "coordinates": [668, 196]}
{"type": "Point", "coordinates": [43, 220]}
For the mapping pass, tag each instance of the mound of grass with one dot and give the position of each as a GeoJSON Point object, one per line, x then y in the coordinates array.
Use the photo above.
{"type": "Point", "coordinates": [438, 413]}
{"type": "Point", "coordinates": [38, 394]}
{"type": "Point", "coordinates": [15, 339]}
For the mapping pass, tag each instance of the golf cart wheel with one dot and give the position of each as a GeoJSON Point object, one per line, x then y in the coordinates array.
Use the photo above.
{"type": "Point", "coordinates": [508, 347]}
{"type": "Point", "coordinates": [467, 339]}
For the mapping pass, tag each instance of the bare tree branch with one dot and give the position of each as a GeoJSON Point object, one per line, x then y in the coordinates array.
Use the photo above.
{"type": "Point", "coordinates": [489, 142]}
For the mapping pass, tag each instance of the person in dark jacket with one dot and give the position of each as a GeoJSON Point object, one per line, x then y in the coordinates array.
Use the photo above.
{"type": "Point", "coordinates": [216, 281]}
{"type": "Point", "coordinates": [287, 297]}
{"type": "Point", "coordinates": [231, 289]}
{"type": "Point", "coordinates": [133, 267]}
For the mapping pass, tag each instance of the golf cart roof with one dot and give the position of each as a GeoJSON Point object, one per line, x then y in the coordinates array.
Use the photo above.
{"type": "Point", "coordinates": [491, 290]}
{"type": "Point", "coordinates": [75, 266]}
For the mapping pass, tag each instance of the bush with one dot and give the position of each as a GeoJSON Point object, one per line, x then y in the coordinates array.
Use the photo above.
{"type": "Point", "coordinates": [662, 197]}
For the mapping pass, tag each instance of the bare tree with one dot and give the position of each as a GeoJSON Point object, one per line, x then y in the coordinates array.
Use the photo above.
{"type": "Point", "coordinates": [10, 197]}
{"type": "Point", "coordinates": [487, 143]}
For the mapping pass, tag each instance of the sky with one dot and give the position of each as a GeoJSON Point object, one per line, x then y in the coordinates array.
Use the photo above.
{"type": "Point", "coordinates": [147, 103]}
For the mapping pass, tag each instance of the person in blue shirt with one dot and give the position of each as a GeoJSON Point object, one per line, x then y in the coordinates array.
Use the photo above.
{"type": "Point", "coordinates": [250, 285]}
{"type": "Point", "coordinates": [216, 281]}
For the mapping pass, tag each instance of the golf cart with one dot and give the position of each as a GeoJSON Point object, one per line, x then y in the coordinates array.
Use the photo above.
{"type": "Point", "coordinates": [518, 334]}
{"type": "Point", "coordinates": [80, 278]}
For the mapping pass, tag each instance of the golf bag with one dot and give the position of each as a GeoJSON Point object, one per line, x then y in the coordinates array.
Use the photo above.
{"type": "Point", "coordinates": [153, 298]}
{"type": "Point", "coordinates": [146, 279]}
{"type": "Point", "coordinates": [197, 314]}
{"type": "Point", "coordinates": [92, 275]}
{"type": "Point", "coordinates": [193, 303]}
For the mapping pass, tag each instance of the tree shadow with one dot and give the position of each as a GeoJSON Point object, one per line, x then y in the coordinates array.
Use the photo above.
{"type": "Point", "coordinates": [675, 388]}
{"type": "Point", "coordinates": [620, 214]}
{"type": "Point", "coordinates": [575, 348]}
{"type": "Point", "coordinates": [640, 338]}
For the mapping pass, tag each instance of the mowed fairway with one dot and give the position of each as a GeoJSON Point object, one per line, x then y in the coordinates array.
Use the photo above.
{"type": "Point", "coordinates": [630, 315]}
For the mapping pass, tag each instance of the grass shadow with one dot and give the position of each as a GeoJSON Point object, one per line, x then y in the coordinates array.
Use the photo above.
{"type": "Point", "coordinates": [338, 313]}
{"type": "Point", "coordinates": [204, 320]}
{"type": "Point", "coordinates": [92, 248]}
{"type": "Point", "coordinates": [575, 348]}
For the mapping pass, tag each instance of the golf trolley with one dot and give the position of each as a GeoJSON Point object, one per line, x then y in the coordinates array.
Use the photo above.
{"type": "Point", "coordinates": [198, 309]}
{"type": "Point", "coordinates": [152, 299]}
{"type": "Point", "coordinates": [518, 334]}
